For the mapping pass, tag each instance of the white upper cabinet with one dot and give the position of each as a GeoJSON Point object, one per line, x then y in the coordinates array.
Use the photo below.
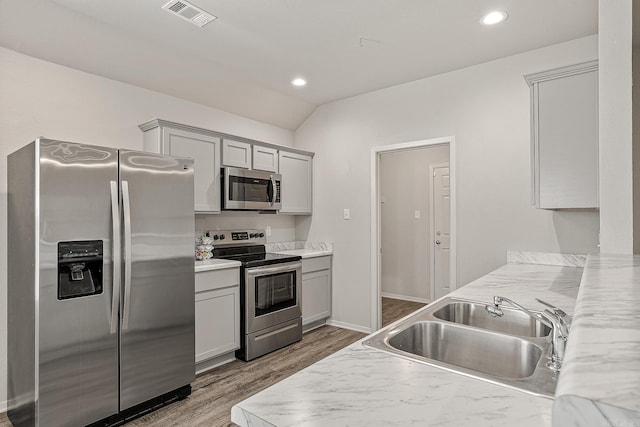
{"type": "Point", "coordinates": [564, 133]}
{"type": "Point", "coordinates": [211, 150]}
{"type": "Point", "coordinates": [236, 154]}
{"type": "Point", "coordinates": [296, 187]}
{"type": "Point", "coordinates": [265, 158]}
{"type": "Point", "coordinates": [203, 148]}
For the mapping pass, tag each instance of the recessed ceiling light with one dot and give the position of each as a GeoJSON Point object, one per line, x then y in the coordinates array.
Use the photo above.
{"type": "Point", "coordinates": [299, 82]}
{"type": "Point", "coordinates": [494, 17]}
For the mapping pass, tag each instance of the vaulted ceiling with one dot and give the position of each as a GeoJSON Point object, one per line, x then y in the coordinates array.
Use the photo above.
{"type": "Point", "coordinates": [243, 61]}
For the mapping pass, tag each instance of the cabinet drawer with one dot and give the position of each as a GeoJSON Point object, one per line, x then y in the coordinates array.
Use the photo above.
{"type": "Point", "coordinates": [217, 279]}
{"type": "Point", "coordinates": [315, 264]}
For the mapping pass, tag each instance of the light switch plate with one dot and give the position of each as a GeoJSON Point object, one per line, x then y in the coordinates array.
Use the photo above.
{"type": "Point", "coordinates": [417, 214]}
{"type": "Point", "coordinates": [267, 230]}
{"type": "Point", "coordinates": [347, 214]}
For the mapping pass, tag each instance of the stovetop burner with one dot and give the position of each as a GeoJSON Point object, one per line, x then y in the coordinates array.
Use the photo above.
{"type": "Point", "coordinates": [246, 246]}
{"type": "Point", "coordinates": [259, 259]}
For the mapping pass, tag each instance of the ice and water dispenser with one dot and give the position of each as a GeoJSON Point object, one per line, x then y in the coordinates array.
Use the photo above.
{"type": "Point", "coordinates": [80, 266]}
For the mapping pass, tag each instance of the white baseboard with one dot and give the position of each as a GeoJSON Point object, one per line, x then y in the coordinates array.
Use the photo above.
{"type": "Point", "coordinates": [313, 325]}
{"type": "Point", "coordinates": [344, 325]}
{"type": "Point", "coordinates": [404, 297]}
{"type": "Point", "coordinates": [3, 407]}
{"type": "Point", "coordinates": [209, 364]}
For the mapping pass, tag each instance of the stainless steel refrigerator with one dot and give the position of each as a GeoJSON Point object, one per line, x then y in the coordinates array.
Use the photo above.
{"type": "Point", "coordinates": [100, 283]}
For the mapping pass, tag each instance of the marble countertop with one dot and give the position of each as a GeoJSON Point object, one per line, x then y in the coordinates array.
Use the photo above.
{"type": "Point", "coordinates": [301, 248]}
{"type": "Point", "coordinates": [599, 383]}
{"type": "Point", "coordinates": [359, 386]}
{"type": "Point", "coordinates": [215, 264]}
{"type": "Point", "coordinates": [307, 253]}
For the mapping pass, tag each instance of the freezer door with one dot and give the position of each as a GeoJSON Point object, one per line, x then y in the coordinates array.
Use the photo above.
{"type": "Point", "coordinates": [157, 338]}
{"type": "Point", "coordinates": [77, 355]}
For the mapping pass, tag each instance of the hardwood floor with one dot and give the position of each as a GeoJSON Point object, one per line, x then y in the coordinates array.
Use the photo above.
{"type": "Point", "coordinates": [394, 309]}
{"type": "Point", "coordinates": [216, 391]}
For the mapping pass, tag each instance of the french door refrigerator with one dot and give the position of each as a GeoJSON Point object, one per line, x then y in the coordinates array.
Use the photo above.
{"type": "Point", "coordinates": [100, 283]}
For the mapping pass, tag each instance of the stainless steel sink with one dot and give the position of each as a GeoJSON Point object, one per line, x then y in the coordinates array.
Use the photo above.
{"type": "Point", "coordinates": [453, 334]}
{"type": "Point", "coordinates": [514, 322]}
{"type": "Point", "coordinates": [490, 353]}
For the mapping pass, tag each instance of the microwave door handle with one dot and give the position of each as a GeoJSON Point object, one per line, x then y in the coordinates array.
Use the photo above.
{"type": "Point", "coordinates": [271, 190]}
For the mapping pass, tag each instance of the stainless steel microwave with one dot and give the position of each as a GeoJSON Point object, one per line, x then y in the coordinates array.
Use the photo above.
{"type": "Point", "coordinates": [244, 189]}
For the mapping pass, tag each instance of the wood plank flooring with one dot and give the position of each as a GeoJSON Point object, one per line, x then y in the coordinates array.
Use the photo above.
{"type": "Point", "coordinates": [216, 391]}
{"type": "Point", "coordinates": [394, 309]}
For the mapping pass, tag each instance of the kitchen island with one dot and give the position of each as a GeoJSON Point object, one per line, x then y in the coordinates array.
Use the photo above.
{"type": "Point", "coordinates": [360, 386]}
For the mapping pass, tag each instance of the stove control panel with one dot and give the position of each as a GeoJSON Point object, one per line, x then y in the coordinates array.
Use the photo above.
{"type": "Point", "coordinates": [237, 237]}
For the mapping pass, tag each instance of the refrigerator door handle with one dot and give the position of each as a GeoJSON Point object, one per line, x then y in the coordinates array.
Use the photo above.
{"type": "Point", "coordinates": [126, 208]}
{"type": "Point", "coordinates": [117, 257]}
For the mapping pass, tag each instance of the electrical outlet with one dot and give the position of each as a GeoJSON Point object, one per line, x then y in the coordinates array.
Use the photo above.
{"type": "Point", "coordinates": [268, 230]}
{"type": "Point", "coordinates": [417, 214]}
{"type": "Point", "coordinates": [347, 214]}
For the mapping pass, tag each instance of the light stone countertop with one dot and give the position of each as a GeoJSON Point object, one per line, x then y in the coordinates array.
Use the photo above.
{"type": "Point", "coordinates": [215, 264]}
{"type": "Point", "coordinates": [360, 386]}
{"type": "Point", "coordinates": [599, 384]}
{"type": "Point", "coordinates": [301, 248]}
{"type": "Point", "coordinates": [307, 253]}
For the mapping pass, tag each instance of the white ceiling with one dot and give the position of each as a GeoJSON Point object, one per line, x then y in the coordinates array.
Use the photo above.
{"type": "Point", "coordinates": [243, 62]}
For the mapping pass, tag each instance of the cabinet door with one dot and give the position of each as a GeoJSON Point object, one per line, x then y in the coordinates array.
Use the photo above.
{"type": "Point", "coordinates": [265, 158]}
{"type": "Point", "coordinates": [316, 296]}
{"type": "Point", "coordinates": [217, 322]}
{"type": "Point", "coordinates": [205, 151]}
{"type": "Point", "coordinates": [296, 186]}
{"type": "Point", "coordinates": [564, 131]}
{"type": "Point", "coordinates": [568, 141]}
{"type": "Point", "coordinates": [236, 154]}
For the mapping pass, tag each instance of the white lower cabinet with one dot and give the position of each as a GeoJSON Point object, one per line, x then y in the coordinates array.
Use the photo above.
{"type": "Point", "coordinates": [217, 313]}
{"type": "Point", "coordinates": [316, 290]}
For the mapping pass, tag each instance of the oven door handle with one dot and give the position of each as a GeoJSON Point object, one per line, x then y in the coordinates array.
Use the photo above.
{"type": "Point", "coordinates": [273, 270]}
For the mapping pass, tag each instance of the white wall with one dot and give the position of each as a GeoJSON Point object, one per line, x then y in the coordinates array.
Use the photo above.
{"type": "Point", "coordinates": [38, 98]}
{"type": "Point", "coordinates": [615, 103]}
{"type": "Point", "coordinates": [406, 245]}
{"type": "Point", "coordinates": [486, 108]}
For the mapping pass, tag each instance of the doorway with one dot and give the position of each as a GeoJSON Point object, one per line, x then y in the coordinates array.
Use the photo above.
{"type": "Point", "coordinates": [440, 232]}
{"type": "Point", "coordinates": [403, 233]}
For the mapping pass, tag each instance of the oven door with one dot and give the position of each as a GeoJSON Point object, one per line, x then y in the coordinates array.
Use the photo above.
{"type": "Point", "coordinates": [273, 295]}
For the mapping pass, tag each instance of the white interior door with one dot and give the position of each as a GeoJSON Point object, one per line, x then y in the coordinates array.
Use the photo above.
{"type": "Point", "coordinates": [441, 230]}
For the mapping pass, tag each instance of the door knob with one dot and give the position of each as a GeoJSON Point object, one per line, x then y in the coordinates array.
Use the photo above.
{"type": "Point", "coordinates": [437, 242]}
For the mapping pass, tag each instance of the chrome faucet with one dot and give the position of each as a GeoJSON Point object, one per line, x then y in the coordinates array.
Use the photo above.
{"type": "Point", "coordinates": [554, 318]}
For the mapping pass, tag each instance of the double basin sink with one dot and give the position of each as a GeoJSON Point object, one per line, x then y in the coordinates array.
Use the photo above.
{"type": "Point", "coordinates": [461, 336]}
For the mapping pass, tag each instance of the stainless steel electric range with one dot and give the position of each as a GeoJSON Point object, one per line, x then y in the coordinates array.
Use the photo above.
{"type": "Point", "coordinates": [270, 292]}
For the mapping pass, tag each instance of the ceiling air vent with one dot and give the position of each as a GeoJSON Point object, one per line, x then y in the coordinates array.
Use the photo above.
{"type": "Point", "coordinates": [189, 12]}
